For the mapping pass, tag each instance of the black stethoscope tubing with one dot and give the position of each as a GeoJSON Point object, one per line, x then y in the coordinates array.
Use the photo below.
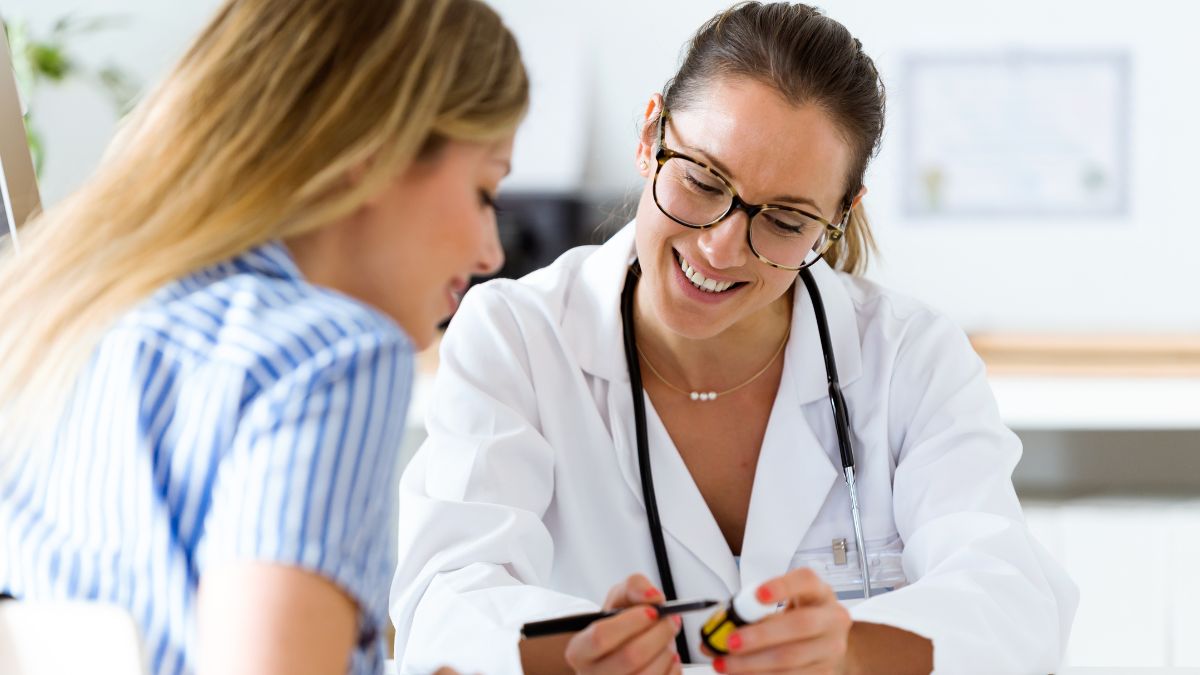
{"type": "Point", "coordinates": [837, 403]}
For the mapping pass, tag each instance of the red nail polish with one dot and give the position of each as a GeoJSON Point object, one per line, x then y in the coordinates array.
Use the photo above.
{"type": "Point", "coordinates": [734, 642]}
{"type": "Point", "coordinates": [719, 665]}
{"type": "Point", "coordinates": [677, 620]}
{"type": "Point", "coordinates": [653, 594]}
{"type": "Point", "coordinates": [676, 657]}
{"type": "Point", "coordinates": [652, 613]}
{"type": "Point", "coordinates": [763, 594]}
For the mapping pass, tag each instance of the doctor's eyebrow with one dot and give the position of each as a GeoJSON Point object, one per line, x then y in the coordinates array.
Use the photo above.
{"type": "Point", "coordinates": [701, 153]}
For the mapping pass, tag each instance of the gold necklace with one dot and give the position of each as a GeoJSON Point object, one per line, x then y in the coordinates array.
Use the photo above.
{"type": "Point", "coordinates": [712, 395]}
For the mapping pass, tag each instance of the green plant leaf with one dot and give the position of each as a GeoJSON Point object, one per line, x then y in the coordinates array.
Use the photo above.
{"type": "Point", "coordinates": [50, 62]}
{"type": "Point", "coordinates": [39, 59]}
{"type": "Point", "coordinates": [78, 25]}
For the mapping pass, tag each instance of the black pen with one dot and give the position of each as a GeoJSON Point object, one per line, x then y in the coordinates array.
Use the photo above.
{"type": "Point", "coordinates": [577, 622]}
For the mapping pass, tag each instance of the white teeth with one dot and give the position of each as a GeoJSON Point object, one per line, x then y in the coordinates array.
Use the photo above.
{"type": "Point", "coordinates": [700, 281]}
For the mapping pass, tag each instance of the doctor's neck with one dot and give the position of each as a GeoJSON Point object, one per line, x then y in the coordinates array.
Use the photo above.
{"type": "Point", "coordinates": [711, 361]}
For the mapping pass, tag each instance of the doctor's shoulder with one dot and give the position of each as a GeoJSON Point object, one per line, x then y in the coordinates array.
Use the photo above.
{"type": "Point", "coordinates": [898, 330]}
{"type": "Point", "coordinates": [540, 296]}
{"type": "Point", "coordinates": [512, 326]}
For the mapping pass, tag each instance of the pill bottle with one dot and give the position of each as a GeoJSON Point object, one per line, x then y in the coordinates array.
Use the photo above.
{"type": "Point", "coordinates": [744, 608]}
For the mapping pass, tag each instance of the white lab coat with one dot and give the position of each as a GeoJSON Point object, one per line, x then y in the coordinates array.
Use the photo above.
{"type": "Point", "coordinates": [525, 501]}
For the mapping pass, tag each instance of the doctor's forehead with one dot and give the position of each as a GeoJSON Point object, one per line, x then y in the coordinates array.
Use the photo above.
{"type": "Point", "coordinates": [749, 132]}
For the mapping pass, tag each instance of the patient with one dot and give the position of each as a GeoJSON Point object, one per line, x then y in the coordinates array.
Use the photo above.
{"type": "Point", "coordinates": [207, 350]}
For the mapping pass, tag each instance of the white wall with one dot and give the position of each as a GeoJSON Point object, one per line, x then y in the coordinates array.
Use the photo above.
{"type": "Point", "coordinates": [599, 62]}
{"type": "Point", "coordinates": [77, 119]}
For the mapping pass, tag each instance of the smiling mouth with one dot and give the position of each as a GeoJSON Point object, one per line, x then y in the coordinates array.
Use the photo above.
{"type": "Point", "coordinates": [703, 283]}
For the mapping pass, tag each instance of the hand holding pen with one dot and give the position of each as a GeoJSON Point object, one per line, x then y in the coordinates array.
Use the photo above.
{"type": "Point", "coordinates": [636, 640]}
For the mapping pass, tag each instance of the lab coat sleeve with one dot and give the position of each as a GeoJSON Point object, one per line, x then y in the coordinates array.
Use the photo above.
{"type": "Point", "coordinates": [475, 554]}
{"type": "Point", "coordinates": [981, 589]}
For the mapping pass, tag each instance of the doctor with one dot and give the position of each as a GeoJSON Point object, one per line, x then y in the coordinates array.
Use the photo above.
{"type": "Point", "coordinates": [529, 499]}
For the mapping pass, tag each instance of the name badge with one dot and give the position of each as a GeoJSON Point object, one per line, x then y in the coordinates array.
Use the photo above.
{"type": "Point", "coordinates": [837, 565]}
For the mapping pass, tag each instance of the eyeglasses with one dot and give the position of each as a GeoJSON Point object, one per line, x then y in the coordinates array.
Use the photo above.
{"type": "Point", "coordinates": [696, 195]}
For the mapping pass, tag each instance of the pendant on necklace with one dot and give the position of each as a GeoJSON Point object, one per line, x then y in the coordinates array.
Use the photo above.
{"type": "Point", "coordinates": [704, 395]}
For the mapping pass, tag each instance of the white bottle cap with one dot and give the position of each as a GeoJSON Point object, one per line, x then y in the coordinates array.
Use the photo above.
{"type": "Point", "coordinates": [749, 608]}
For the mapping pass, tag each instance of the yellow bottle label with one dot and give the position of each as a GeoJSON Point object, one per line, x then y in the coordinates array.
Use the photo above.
{"type": "Point", "coordinates": [716, 632]}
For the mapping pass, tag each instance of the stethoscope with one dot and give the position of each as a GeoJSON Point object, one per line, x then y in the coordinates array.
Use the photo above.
{"type": "Point", "coordinates": [841, 422]}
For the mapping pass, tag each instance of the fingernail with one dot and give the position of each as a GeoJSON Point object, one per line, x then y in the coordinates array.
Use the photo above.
{"type": "Point", "coordinates": [676, 657]}
{"type": "Point", "coordinates": [652, 613]}
{"type": "Point", "coordinates": [653, 594]}
{"type": "Point", "coordinates": [734, 642]}
{"type": "Point", "coordinates": [677, 620]}
{"type": "Point", "coordinates": [763, 594]}
{"type": "Point", "coordinates": [719, 665]}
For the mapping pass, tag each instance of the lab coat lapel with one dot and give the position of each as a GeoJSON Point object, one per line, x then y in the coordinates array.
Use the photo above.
{"type": "Point", "coordinates": [685, 515]}
{"type": "Point", "coordinates": [591, 321]}
{"type": "Point", "coordinates": [593, 329]}
{"type": "Point", "coordinates": [791, 484]}
{"type": "Point", "coordinates": [592, 326]}
{"type": "Point", "coordinates": [796, 469]}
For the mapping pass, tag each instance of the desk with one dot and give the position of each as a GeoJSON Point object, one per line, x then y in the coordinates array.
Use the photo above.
{"type": "Point", "coordinates": [1133, 670]}
{"type": "Point", "coordinates": [1097, 403]}
{"type": "Point", "coordinates": [1094, 382]}
{"type": "Point", "coordinates": [390, 667]}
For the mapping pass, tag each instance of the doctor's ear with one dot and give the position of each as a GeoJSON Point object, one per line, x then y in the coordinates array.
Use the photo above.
{"type": "Point", "coordinates": [647, 134]}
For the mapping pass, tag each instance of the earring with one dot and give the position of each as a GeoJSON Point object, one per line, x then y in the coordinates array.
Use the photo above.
{"type": "Point", "coordinates": [643, 165]}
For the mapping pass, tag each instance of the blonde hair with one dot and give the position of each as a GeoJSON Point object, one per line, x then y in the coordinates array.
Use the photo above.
{"type": "Point", "coordinates": [252, 137]}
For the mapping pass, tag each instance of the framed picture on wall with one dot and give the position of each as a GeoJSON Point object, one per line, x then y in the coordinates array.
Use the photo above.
{"type": "Point", "coordinates": [1016, 134]}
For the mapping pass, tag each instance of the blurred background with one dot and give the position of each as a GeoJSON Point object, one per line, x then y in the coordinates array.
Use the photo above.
{"type": "Point", "coordinates": [1036, 183]}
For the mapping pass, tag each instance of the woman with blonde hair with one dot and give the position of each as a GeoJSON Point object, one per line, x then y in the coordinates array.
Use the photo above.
{"type": "Point", "coordinates": [207, 349]}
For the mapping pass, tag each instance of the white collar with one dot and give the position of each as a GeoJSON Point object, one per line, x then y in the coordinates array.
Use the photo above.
{"type": "Point", "coordinates": [592, 322]}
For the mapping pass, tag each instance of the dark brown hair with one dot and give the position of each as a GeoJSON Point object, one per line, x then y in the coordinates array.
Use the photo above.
{"type": "Point", "coordinates": [809, 59]}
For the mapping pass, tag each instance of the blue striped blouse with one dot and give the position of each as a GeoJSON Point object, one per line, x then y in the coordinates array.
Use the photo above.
{"type": "Point", "coordinates": [239, 413]}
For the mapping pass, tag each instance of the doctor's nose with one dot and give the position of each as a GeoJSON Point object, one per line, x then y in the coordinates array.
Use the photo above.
{"type": "Point", "coordinates": [724, 244]}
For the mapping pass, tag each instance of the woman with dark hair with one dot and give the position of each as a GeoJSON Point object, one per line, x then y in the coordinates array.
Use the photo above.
{"type": "Point", "coordinates": [669, 414]}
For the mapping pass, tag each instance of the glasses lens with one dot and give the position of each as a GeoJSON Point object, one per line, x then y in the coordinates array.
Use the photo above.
{"type": "Point", "coordinates": [686, 191]}
{"type": "Point", "coordinates": [788, 238]}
